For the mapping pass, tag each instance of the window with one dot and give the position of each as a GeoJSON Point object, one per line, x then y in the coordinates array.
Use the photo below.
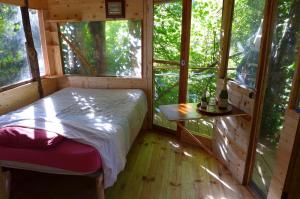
{"type": "Point", "coordinates": [108, 48]}
{"type": "Point", "coordinates": [245, 41]}
{"type": "Point", "coordinates": [35, 27]}
{"type": "Point", "coordinates": [281, 69]}
{"type": "Point", "coordinates": [14, 66]}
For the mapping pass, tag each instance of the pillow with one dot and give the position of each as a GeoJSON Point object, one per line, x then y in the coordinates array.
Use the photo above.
{"type": "Point", "coordinates": [22, 137]}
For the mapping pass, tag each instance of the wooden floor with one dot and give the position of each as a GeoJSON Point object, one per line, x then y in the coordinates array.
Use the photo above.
{"type": "Point", "coordinates": [158, 167]}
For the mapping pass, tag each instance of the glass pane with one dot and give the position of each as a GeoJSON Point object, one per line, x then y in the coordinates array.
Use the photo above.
{"type": "Point", "coordinates": [166, 90]}
{"type": "Point", "coordinates": [204, 56]}
{"type": "Point", "coordinates": [35, 27]}
{"type": "Point", "coordinates": [245, 41]}
{"type": "Point", "coordinates": [167, 31]}
{"type": "Point", "coordinates": [279, 80]}
{"type": "Point", "coordinates": [205, 33]}
{"type": "Point", "coordinates": [298, 103]}
{"type": "Point", "coordinates": [166, 49]}
{"type": "Point", "coordinates": [14, 66]}
{"type": "Point", "coordinates": [110, 48]}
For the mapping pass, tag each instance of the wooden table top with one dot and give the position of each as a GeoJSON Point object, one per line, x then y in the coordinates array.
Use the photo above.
{"type": "Point", "coordinates": [188, 111]}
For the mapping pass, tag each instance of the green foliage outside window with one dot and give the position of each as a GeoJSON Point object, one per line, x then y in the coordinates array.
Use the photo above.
{"type": "Point", "coordinates": [245, 41]}
{"type": "Point", "coordinates": [108, 48]}
{"type": "Point", "coordinates": [204, 54]}
{"type": "Point", "coordinates": [14, 66]}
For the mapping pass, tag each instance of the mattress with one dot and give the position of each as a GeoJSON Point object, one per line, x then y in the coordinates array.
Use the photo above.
{"type": "Point", "coordinates": [106, 119]}
{"type": "Point", "coordinates": [68, 157]}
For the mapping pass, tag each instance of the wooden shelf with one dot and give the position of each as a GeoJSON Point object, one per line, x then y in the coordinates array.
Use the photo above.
{"type": "Point", "coordinates": [183, 112]}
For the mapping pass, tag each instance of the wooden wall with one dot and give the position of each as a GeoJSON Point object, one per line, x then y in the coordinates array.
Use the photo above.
{"type": "Point", "coordinates": [90, 10]}
{"type": "Point", "coordinates": [101, 82]}
{"type": "Point", "coordinates": [284, 153]}
{"type": "Point", "coordinates": [231, 134]}
{"type": "Point", "coordinates": [15, 98]}
{"type": "Point", "coordinates": [50, 45]}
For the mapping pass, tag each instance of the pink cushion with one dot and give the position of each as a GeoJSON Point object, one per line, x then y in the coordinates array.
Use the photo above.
{"type": "Point", "coordinates": [22, 137]}
{"type": "Point", "coordinates": [68, 155]}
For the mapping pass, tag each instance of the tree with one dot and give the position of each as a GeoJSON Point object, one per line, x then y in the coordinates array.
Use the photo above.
{"type": "Point", "coordinates": [97, 31]}
{"type": "Point", "coordinates": [13, 62]}
{"type": "Point", "coordinates": [281, 67]}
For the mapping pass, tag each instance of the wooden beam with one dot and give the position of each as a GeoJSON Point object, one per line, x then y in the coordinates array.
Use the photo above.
{"type": "Point", "coordinates": [34, 4]}
{"type": "Point", "coordinates": [147, 67]}
{"type": "Point", "coordinates": [261, 84]}
{"type": "Point", "coordinates": [5, 177]}
{"type": "Point", "coordinates": [185, 47]}
{"type": "Point", "coordinates": [295, 92]}
{"type": "Point", "coordinates": [100, 186]}
{"type": "Point", "coordinates": [42, 15]}
{"type": "Point", "coordinates": [31, 52]}
{"type": "Point", "coordinates": [227, 17]}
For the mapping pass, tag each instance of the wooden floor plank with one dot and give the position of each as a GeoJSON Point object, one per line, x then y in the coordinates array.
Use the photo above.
{"type": "Point", "coordinates": [177, 171]}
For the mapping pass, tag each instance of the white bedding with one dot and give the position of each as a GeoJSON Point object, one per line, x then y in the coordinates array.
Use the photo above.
{"type": "Point", "coordinates": [107, 119]}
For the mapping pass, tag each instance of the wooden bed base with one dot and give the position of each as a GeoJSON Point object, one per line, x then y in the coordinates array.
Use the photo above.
{"type": "Point", "coordinates": [6, 182]}
{"type": "Point", "coordinates": [5, 190]}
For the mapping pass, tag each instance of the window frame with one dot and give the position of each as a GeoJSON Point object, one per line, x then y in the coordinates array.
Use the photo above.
{"type": "Point", "coordinates": [26, 81]}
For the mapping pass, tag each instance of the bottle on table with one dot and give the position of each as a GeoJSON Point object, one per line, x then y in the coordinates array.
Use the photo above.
{"type": "Point", "coordinates": [223, 96]}
{"type": "Point", "coordinates": [204, 101]}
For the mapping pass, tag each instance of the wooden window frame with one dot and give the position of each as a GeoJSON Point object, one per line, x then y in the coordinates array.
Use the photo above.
{"type": "Point", "coordinates": [261, 83]}
{"type": "Point", "coordinates": [42, 37]}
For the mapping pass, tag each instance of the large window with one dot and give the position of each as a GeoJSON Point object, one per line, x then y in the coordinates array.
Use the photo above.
{"type": "Point", "coordinates": [280, 74]}
{"type": "Point", "coordinates": [108, 48]}
{"type": "Point", "coordinates": [245, 41]}
{"type": "Point", "coordinates": [14, 66]}
{"type": "Point", "coordinates": [166, 54]}
{"type": "Point", "coordinates": [203, 56]}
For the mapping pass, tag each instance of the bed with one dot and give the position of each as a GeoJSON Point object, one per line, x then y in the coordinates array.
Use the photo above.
{"type": "Point", "coordinates": [99, 127]}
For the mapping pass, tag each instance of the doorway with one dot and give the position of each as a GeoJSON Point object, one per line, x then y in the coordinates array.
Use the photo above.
{"type": "Point", "coordinates": [185, 63]}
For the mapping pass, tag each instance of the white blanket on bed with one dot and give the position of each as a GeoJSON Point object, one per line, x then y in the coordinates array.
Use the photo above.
{"type": "Point", "coordinates": [107, 119]}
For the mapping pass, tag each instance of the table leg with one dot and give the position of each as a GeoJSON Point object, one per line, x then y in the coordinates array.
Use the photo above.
{"type": "Point", "coordinates": [203, 146]}
{"type": "Point", "coordinates": [179, 130]}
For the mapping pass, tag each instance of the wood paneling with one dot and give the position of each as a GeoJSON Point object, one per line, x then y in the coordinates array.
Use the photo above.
{"type": "Point", "coordinates": [50, 45]}
{"type": "Point", "coordinates": [231, 134]}
{"type": "Point", "coordinates": [284, 152]}
{"type": "Point", "coordinates": [90, 10]}
{"type": "Point", "coordinates": [35, 4]}
{"type": "Point", "coordinates": [13, 99]}
{"type": "Point", "coordinates": [101, 82]}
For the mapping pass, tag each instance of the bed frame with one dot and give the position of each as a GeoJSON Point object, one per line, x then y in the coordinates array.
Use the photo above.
{"type": "Point", "coordinates": [6, 181]}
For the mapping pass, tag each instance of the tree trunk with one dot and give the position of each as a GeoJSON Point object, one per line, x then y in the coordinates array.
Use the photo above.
{"type": "Point", "coordinates": [134, 32]}
{"type": "Point", "coordinates": [97, 30]}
